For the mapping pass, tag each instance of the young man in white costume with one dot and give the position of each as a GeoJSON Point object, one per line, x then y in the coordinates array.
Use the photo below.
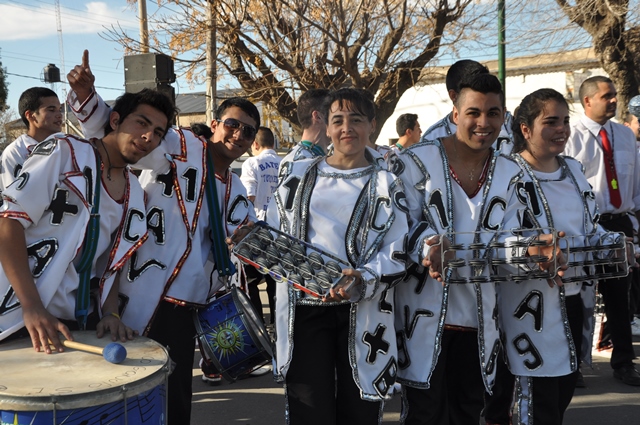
{"type": "Point", "coordinates": [260, 172]}
{"type": "Point", "coordinates": [314, 141]}
{"type": "Point", "coordinates": [459, 71]}
{"type": "Point", "coordinates": [448, 336]}
{"type": "Point", "coordinates": [169, 269]}
{"type": "Point", "coordinates": [260, 178]}
{"type": "Point", "coordinates": [45, 217]}
{"type": "Point", "coordinates": [408, 129]}
{"type": "Point", "coordinates": [39, 109]}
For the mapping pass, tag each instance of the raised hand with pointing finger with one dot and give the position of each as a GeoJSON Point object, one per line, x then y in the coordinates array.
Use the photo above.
{"type": "Point", "coordinates": [81, 79]}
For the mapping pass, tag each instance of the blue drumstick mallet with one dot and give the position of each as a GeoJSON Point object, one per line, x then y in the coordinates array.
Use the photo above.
{"type": "Point", "coordinates": [113, 352]}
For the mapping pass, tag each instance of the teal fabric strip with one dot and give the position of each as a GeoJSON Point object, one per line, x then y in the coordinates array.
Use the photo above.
{"type": "Point", "coordinates": [90, 245]}
{"type": "Point", "coordinates": [315, 149]}
{"type": "Point", "coordinates": [219, 247]}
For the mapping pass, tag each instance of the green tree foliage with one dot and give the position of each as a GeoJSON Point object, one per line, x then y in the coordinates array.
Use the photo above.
{"type": "Point", "coordinates": [4, 90]}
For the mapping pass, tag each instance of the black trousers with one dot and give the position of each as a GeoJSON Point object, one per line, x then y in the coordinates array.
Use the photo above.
{"type": "Point", "coordinates": [615, 295]}
{"type": "Point", "coordinates": [634, 294]}
{"type": "Point", "coordinates": [319, 386]}
{"type": "Point", "coordinates": [552, 395]}
{"type": "Point", "coordinates": [254, 278]}
{"type": "Point", "coordinates": [173, 327]}
{"type": "Point", "coordinates": [497, 405]}
{"type": "Point", "coordinates": [455, 395]}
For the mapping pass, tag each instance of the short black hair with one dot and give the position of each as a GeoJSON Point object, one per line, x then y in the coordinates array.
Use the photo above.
{"type": "Point", "coordinates": [240, 102]}
{"type": "Point", "coordinates": [310, 101]}
{"type": "Point", "coordinates": [406, 122]}
{"type": "Point", "coordinates": [529, 109]}
{"type": "Point", "coordinates": [265, 137]}
{"type": "Point", "coordinates": [360, 100]}
{"type": "Point", "coordinates": [202, 130]}
{"type": "Point", "coordinates": [482, 83]}
{"type": "Point", "coordinates": [129, 102]}
{"type": "Point", "coordinates": [462, 70]}
{"type": "Point", "coordinates": [589, 87]}
{"type": "Point", "coordinates": [31, 100]}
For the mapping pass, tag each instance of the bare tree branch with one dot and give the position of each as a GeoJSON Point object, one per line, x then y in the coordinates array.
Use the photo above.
{"type": "Point", "coordinates": [276, 49]}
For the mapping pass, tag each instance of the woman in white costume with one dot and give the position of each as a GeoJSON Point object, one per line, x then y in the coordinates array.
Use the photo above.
{"type": "Point", "coordinates": [547, 325]}
{"type": "Point", "coordinates": [337, 356]}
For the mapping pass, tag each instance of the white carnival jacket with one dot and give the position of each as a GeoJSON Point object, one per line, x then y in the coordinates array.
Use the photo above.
{"type": "Point", "coordinates": [52, 198]}
{"type": "Point", "coordinates": [369, 236]}
{"type": "Point", "coordinates": [175, 263]}
{"type": "Point", "coordinates": [422, 304]}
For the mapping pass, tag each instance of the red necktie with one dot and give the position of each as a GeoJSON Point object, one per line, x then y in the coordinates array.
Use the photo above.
{"type": "Point", "coordinates": [610, 168]}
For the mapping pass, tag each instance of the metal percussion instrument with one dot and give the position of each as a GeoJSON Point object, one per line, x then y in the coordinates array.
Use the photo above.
{"type": "Point", "coordinates": [291, 260]}
{"type": "Point", "coordinates": [507, 257]}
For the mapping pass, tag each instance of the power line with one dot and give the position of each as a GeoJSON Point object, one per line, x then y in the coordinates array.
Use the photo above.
{"type": "Point", "coordinates": [41, 59]}
{"type": "Point", "coordinates": [63, 82]}
{"type": "Point", "coordinates": [85, 17]}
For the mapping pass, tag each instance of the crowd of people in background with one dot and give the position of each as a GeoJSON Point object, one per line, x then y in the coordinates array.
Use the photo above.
{"type": "Point", "coordinates": [460, 347]}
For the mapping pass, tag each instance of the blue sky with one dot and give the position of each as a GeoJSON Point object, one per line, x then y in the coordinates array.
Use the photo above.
{"type": "Point", "coordinates": [29, 41]}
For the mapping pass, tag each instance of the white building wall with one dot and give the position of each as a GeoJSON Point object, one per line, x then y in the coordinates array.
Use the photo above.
{"type": "Point", "coordinates": [431, 102]}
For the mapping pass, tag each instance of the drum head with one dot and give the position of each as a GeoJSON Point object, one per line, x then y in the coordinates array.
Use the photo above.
{"type": "Point", "coordinates": [32, 381]}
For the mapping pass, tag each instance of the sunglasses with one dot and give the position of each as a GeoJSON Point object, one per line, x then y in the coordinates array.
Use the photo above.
{"type": "Point", "coordinates": [247, 131]}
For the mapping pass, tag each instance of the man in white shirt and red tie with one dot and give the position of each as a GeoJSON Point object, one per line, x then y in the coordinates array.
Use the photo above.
{"type": "Point", "coordinates": [608, 153]}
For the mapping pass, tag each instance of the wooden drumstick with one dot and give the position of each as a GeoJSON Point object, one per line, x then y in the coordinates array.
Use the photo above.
{"type": "Point", "coordinates": [113, 352]}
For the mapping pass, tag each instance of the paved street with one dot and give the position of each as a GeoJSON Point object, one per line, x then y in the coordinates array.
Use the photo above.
{"type": "Point", "coordinates": [260, 401]}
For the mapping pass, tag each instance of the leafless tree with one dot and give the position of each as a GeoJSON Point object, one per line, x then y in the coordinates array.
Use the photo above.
{"type": "Point", "coordinates": [277, 49]}
{"type": "Point", "coordinates": [610, 27]}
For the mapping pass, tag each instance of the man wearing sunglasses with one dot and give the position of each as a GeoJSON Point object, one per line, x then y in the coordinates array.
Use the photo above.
{"type": "Point", "coordinates": [166, 280]}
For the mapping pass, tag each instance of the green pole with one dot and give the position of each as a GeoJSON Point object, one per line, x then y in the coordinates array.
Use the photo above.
{"type": "Point", "coordinates": [502, 75]}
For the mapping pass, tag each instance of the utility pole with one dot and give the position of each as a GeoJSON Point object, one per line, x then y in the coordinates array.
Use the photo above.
{"type": "Point", "coordinates": [502, 74]}
{"type": "Point", "coordinates": [211, 77]}
{"type": "Point", "coordinates": [61, 48]}
{"type": "Point", "coordinates": [144, 29]}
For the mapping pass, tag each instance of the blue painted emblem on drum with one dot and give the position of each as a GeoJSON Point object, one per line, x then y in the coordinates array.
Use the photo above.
{"type": "Point", "coordinates": [226, 334]}
{"type": "Point", "coordinates": [231, 336]}
{"type": "Point", "coordinates": [227, 339]}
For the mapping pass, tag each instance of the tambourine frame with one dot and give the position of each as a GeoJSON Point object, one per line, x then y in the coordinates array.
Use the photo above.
{"type": "Point", "coordinates": [490, 260]}
{"type": "Point", "coordinates": [337, 280]}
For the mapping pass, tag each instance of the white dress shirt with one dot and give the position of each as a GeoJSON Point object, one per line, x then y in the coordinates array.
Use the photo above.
{"type": "Point", "coordinates": [585, 145]}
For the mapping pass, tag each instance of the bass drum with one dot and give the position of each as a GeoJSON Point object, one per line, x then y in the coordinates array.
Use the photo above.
{"type": "Point", "coordinates": [79, 388]}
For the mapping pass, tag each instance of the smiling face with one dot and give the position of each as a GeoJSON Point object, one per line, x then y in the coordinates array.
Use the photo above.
{"type": "Point", "coordinates": [230, 144]}
{"type": "Point", "coordinates": [549, 133]}
{"type": "Point", "coordinates": [479, 117]}
{"type": "Point", "coordinates": [349, 130]}
{"type": "Point", "coordinates": [603, 104]}
{"type": "Point", "coordinates": [137, 135]}
{"type": "Point", "coordinates": [46, 120]}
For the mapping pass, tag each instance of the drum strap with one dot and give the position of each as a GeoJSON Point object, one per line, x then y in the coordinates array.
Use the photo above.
{"type": "Point", "coordinates": [90, 245]}
{"type": "Point", "coordinates": [220, 252]}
